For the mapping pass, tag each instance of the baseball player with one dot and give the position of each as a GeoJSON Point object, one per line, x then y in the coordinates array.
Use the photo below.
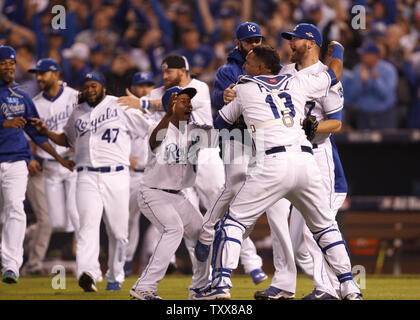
{"type": "Point", "coordinates": [15, 111]}
{"type": "Point", "coordinates": [100, 130]}
{"type": "Point", "coordinates": [54, 104]}
{"type": "Point", "coordinates": [141, 85]}
{"type": "Point", "coordinates": [38, 234]}
{"type": "Point", "coordinates": [328, 112]}
{"type": "Point", "coordinates": [285, 167]}
{"type": "Point", "coordinates": [305, 43]}
{"type": "Point", "coordinates": [210, 175]}
{"type": "Point", "coordinates": [171, 168]}
{"type": "Point", "coordinates": [248, 36]}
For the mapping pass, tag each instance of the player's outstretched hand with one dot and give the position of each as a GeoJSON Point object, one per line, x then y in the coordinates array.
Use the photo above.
{"type": "Point", "coordinates": [34, 167]}
{"type": "Point", "coordinates": [15, 123]}
{"type": "Point", "coordinates": [229, 94]}
{"type": "Point", "coordinates": [39, 125]}
{"type": "Point", "coordinates": [69, 164]}
{"type": "Point", "coordinates": [171, 104]}
{"type": "Point", "coordinates": [130, 100]}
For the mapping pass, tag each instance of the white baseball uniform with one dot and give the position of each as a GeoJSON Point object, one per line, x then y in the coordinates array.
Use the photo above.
{"type": "Point", "coordinates": [102, 138]}
{"type": "Point", "coordinates": [209, 187]}
{"type": "Point", "coordinates": [284, 168]}
{"type": "Point", "coordinates": [139, 151]}
{"type": "Point", "coordinates": [172, 167]}
{"type": "Point", "coordinates": [307, 253]}
{"type": "Point", "coordinates": [60, 183]}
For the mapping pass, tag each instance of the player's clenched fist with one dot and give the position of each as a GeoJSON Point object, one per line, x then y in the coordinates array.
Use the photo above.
{"type": "Point", "coordinates": [39, 125]}
{"type": "Point", "coordinates": [15, 123]}
{"type": "Point", "coordinates": [229, 94]}
{"type": "Point", "coordinates": [331, 46]}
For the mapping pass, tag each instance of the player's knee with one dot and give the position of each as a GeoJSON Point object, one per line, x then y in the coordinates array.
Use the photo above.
{"type": "Point", "coordinates": [175, 230]}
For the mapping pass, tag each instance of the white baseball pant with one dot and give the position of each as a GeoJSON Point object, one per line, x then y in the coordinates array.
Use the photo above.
{"type": "Point", "coordinates": [175, 218]}
{"type": "Point", "coordinates": [39, 233]}
{"type": "Point", "coordinates": [307, 253]}
{"type": "Point", "coordinates": [102, 195]}
{"type": "Point", "coordinates": [293, 175]}
{"type": "Point", "coordinates": [136, 179]}
{"type": "Point", "coordinates": [13, 182]}
{"type": "Point", "coordinates": [60, 191]}
{"type": "Point", "coordinates": [235, 173]}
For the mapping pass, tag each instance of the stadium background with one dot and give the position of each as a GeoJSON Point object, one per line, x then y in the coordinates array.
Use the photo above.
{"type": "Point", "coordinates": [381, 217]}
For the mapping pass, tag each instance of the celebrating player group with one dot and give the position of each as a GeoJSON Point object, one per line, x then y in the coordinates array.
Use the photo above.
{"type": "Point", "coordinates": [259, 143]}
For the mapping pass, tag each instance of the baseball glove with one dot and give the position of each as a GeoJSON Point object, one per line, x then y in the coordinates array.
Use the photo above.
{"type": "Point", "coordinates": [309, 125]}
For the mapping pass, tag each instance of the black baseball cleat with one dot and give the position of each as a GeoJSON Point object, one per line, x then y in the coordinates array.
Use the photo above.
{"type": "Point", "coordinates": [87, 283]}
{"type": "Point", "coordinates": [273, 293]}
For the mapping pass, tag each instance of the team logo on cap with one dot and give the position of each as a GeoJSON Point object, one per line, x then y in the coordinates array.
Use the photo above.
{"type": "Point", "coordinates": [89, 75]}
{"type": "Point", "coordinates": [164, 66]}
{"type": "Point", "coordinates": [143, 75]}
{"type": "Point", "coordinates": [53, 68]}
{"type": "Point", "coordinates": [309, 34]}
{"type": "Point", "coordinates": [252, 28]}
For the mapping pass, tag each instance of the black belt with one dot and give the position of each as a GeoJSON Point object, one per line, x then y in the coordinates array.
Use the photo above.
{"type": "Point", "coordinates": [100, 169]}
{"type": "Point", "coordinates": [283, 149]}
{"type": "Point", "coordinates": [168, 190]}
{"type": "Point", "coordinates": [138, 170]}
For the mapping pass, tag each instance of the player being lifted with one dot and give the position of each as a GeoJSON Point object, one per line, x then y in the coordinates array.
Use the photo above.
{"type": "Point", "coordinates": [272, 107]}
{"type": "Point", "coordinates": [100, 130]}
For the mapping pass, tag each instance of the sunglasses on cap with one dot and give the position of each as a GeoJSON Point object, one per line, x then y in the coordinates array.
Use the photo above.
{"type": "Point", "coordinates": [253, 40]}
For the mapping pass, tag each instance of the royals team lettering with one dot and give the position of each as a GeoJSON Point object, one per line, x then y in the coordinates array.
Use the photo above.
{"type": "Point", "coordinates": [83, 127]}
{"type": "Point", "coordinates": [61, 117]}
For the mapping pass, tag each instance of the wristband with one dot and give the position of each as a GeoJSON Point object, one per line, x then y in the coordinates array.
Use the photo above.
{"type": "Point", "coordinates": [145, 104]}
{"type": "Point", "coordinates": [337, 52]}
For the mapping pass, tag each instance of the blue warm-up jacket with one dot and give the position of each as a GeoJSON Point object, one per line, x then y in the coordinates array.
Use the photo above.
{"type": "Point", "coordinates": [13, 144]}
{"type": "Point", "coordinates": [225, 75]}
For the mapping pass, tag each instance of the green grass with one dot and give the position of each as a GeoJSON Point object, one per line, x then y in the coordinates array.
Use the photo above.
{"type": "Point", "coordinates": [173, 287]}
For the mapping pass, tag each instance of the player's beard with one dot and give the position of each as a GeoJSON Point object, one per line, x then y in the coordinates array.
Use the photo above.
{"type": "Point", "coordinates": [298, 55]}
{"type": "Point", "coordinates": [172, 83]}
{"type": "Point", "coordinates": [242, 51]}
{"type": "Point", "coordinates": [98, 99]}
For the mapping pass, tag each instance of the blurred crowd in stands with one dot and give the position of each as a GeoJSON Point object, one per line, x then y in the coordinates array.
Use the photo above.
{"type": "Point", "coordinates": [120, 37]}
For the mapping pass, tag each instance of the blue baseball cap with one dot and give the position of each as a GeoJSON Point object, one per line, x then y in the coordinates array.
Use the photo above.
{"type": "Point", "coordinates": [191, 92]}
{"type": "Point", "coordinates": [141, 78]}
{"type": "Point", "coordinates": [248, 30]}
{"type": "Point", "coordinates": [94, 76]}
{"type": "Point", "coordinates": [7, 52]}
{"type": "Point", "coordinates": [305, 31]}
{"type": "Point", "coordinates": [45, 65]}
{"type": "Point", "coordinates": [369, 47]}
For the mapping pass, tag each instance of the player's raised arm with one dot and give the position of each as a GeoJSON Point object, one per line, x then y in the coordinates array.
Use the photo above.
{"type": "Point", "coordinates": [335, 67]}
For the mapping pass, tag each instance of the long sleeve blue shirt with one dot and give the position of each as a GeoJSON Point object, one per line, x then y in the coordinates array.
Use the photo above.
{"type": "Point", "coordinates": [225, 75]}
{"type": "Point", "coordinates": [378, 94]}
{"type": "Point", "coordinates": [13, 144]}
